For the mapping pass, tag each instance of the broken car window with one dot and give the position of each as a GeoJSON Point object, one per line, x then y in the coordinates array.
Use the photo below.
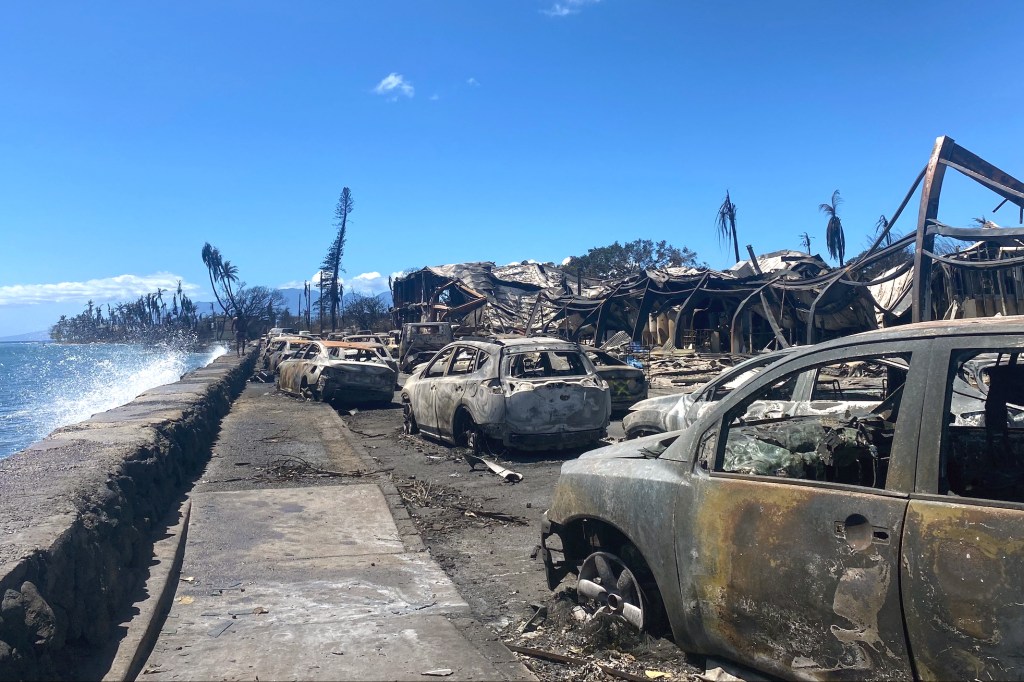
{"type": "Point", "coordinates": [982, 453]}
{"type": "Point", "coordinates": [547, 364]}
{"type": "Point", "coordinates": [843, 434]}
{"type": "Point", "coordinates": [437, 366]}
{"type": "Point", "coordinates": [464, 362]}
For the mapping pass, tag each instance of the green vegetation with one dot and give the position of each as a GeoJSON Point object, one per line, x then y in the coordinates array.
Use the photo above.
{"type": "Point", "coordinates": [620, 260]}
{"type": "Point", "coordinates": [147, 319]}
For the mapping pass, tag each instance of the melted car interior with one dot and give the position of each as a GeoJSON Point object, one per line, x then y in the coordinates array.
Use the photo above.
{"type": "Point", "coordinates": [983, 443]}
{"type": "Point", "coordinates": [842, 434]}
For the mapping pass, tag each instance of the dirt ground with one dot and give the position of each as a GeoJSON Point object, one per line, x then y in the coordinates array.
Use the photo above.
{"type": "Point", "coordinates": [485, 534]}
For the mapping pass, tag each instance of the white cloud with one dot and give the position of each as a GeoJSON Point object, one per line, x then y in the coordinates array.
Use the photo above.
{"type": "Point", "coordinates": [367, 283]}
{"type": "Point", "coordinates": [119, 288]}
{"type": "Point", "coordinates": [567, 7]}
{"type": "Point", "coordinates": [473, 82]}
{"type": "Point", "coordinates": [393, 85]}
{"type": "Point", "coordinates": [435, 97]}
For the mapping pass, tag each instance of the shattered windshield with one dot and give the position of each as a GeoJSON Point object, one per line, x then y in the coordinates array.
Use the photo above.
{"type": "Point", "coordinates": [547, 364]}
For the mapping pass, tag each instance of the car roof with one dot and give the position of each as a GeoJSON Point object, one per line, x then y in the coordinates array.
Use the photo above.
{"type": "Point", "coordinates": [349, 344]}
{"type": "Point", "coordinates": [978, 326]}
{"type": "Point", "coordinates": [514, 343]}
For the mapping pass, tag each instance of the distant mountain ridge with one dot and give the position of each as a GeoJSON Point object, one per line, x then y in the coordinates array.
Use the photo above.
{"type": "Point", "coordinates": [28, 337]}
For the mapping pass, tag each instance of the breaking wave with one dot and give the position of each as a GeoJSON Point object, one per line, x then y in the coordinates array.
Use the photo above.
{"type": "Point", "coordinates": [44, 386]}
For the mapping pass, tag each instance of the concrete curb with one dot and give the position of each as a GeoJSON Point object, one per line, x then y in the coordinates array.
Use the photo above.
{"type": "Point", "coordinates": [406, 528]}
{"type": "Point", "coordinates": [134, 649]}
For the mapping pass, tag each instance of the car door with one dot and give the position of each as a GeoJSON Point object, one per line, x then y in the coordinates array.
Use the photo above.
{"type": "Point", "coordinates": [790, 553]}
{"type": "Point", "coordinates": [423, 396]}
{"type": "Point", "coordinates": [963, 542]}
{"type": "Point", "coordinates": [450, 389]}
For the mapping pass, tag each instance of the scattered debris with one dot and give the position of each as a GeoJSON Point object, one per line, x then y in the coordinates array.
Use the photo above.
{"type": "Point", "coordinates": [507, 474]}
{"type": "Point", "coordinates": [437, 497]}
{"type": "Point", "coordinates": [185, 600]}
{"type": "Point", "coordinates": [440, 672]}
{"type": "Point", "coordinates": [220, 629]}
{"type": "Point", "coordinates": [572, 660]}
{"type": "Point", "coordinates": [540, 614]}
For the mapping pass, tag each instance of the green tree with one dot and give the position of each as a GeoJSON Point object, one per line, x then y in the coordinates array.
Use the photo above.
{"type": "Point", "coordinates": [620, 260]}
{"type": "Point", "coordinates": [835, 240]}
{"type": "Point", "coordinates": [725, 224]}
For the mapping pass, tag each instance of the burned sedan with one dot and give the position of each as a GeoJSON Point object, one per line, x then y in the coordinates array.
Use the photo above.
{"type": "Point", "coordinates": [280, 349]}
{"type": "Point", "coordinates": [885, 545]}
{"type": "Point", "coordinates": [339, 371]}
{"type": "Point", "coordinates": [527, 394]}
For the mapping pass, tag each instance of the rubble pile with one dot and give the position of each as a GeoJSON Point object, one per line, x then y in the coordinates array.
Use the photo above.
{"type": "Point", "coordinates": [687, 371]}
{"type": "Point", "coordinates": [562, 640]}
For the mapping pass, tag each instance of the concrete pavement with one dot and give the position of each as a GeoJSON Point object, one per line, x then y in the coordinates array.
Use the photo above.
{"type": "Point", "coordinates": [292, 571]}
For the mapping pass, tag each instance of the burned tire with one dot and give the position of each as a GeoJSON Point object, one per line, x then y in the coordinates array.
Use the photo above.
{"type": "Point", "coordinates": [624, 585]}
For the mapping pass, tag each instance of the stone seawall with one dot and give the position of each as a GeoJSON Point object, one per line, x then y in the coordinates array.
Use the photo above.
{"type": "Point", "coordinates": [77, 510]}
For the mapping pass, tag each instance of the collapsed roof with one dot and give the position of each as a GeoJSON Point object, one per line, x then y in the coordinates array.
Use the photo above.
{"type": "Point", "coordinates": [776, 299]}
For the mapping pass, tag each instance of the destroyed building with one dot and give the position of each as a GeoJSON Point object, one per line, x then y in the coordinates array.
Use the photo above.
{"type": "Point", "coordinates": [755, 304]}
{"type": "Point", "coordinates": [769, 301]}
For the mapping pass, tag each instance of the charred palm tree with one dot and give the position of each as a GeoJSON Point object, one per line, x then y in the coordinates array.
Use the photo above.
{"type": "Point", "coordinates": [881, 226]}
{"type": "Point", "coordinates": [725, 224]}
{"type": "Point", "coordinates": [835, 240]}
{"type": "Point", "coordinates": [805, 242]}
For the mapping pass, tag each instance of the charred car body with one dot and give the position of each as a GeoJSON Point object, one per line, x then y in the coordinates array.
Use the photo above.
{"type": "Point", "coordinates": [420, 340]}
{"type": "Point", "coordinates": [280, 349]}
{"type": "Point", "coordinates": [885, 545]}
{"type": "Point", "coordinates": [339, 371]}
{"type": "Point", "coordinates": [677, 411]}
{"type": "Point", "coordinates": [626, 383]}
{"type": "Point", "coordinates": [527, 394]}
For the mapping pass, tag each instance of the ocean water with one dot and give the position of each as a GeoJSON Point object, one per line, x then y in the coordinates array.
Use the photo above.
{"type": "Point", "coordinates": [44, 386]}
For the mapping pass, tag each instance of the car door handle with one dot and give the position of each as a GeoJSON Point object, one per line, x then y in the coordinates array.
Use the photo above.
{"type": "Point", "coordinates": [859, 533]}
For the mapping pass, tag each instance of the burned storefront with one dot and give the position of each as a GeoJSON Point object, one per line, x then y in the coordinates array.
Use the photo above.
{"type": "Point", "coordinates": [759, 303]}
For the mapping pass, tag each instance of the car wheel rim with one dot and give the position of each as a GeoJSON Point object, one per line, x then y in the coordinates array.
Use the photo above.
{"type": "Point", "coordinates": [605, 580]}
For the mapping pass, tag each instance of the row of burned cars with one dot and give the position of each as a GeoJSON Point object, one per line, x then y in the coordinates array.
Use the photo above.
{"type": "Point", "coordinates": [486, 392]}
{"type": "Point", "coordinates": [848, 510]}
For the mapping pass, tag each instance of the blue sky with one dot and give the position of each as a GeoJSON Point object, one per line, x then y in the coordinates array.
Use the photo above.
{"type": "Point", "coordinates": [131, 133]}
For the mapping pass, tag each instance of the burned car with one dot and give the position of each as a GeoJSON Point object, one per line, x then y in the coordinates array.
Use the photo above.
{"type": "Point", "coordinates": [527, 393]}
{"type": "Point", "coordinates": [281, 348]}
{"type": "Point", "coordinates": [339, 371]}
{"type": "Point", "coordinates": [627, 383]}
{"type": "Point", "coordinates": [420, 341]}
{"type": "Point", "coordinates": [679, 410]}
{"type": "Point", "coordinates": [882, 545]}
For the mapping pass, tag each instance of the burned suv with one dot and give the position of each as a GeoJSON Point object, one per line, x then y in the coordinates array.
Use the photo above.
{"type": "Point", "coordinates": [880, 542]}
{"type": "Point", "coordinates": [527, 394]}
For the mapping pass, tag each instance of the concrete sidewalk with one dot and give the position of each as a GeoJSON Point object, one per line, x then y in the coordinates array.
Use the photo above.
{"type": "Point", "coordinates": [309, 576]}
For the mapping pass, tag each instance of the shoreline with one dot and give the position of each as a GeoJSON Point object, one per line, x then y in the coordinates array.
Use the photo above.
{"type": "Point", "coordinates": [78, 507]}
